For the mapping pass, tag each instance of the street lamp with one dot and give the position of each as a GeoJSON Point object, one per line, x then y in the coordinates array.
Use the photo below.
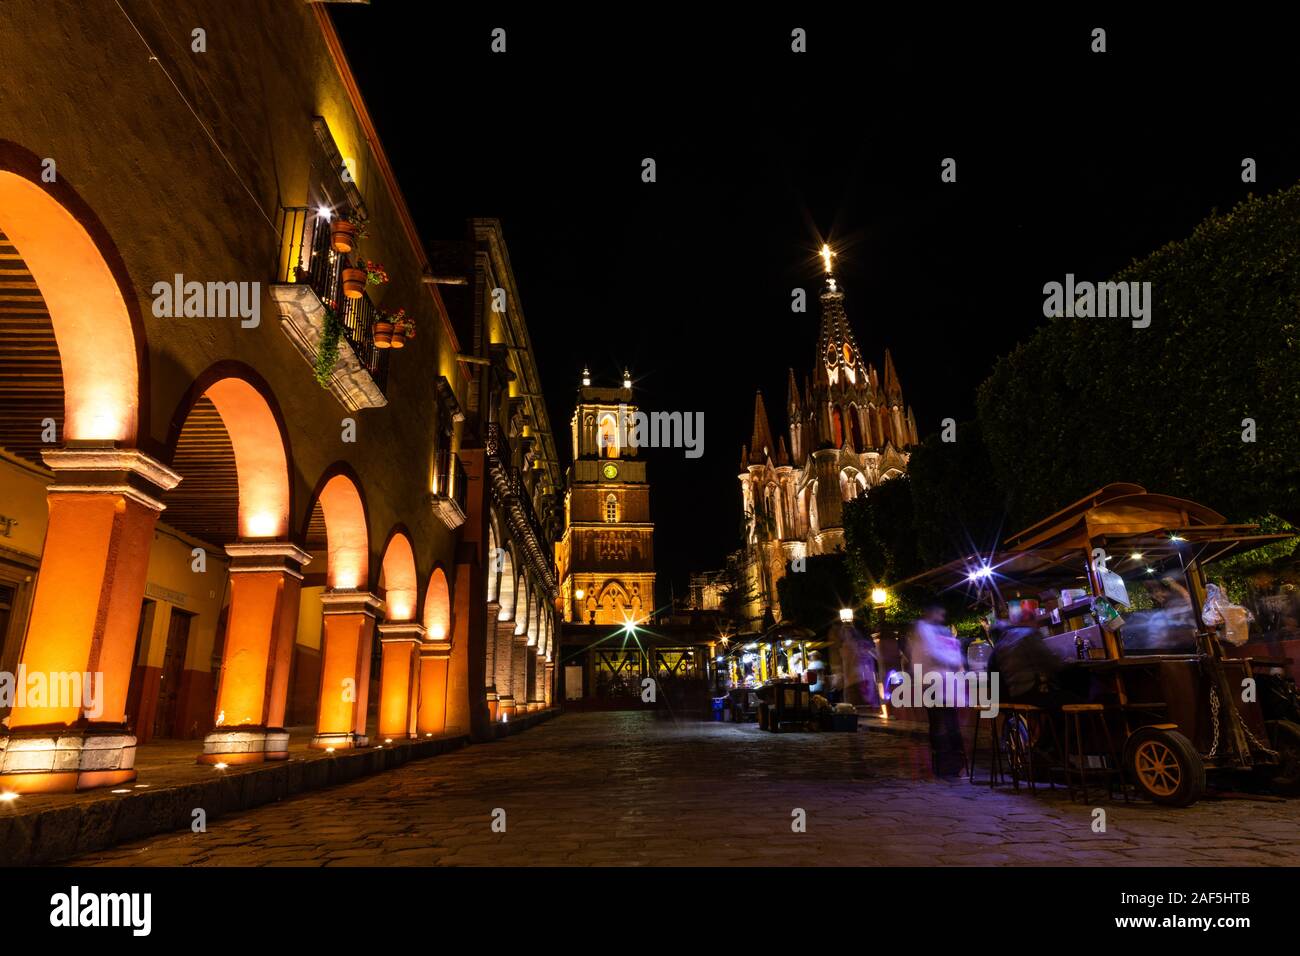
{"type": "Point", "coordinates": [846, 615]}
{"type": "Point", "coordinates": [879, 597]}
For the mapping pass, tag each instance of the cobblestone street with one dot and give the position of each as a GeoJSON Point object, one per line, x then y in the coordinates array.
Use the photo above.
{"type": "Point", "coordinates": [630, 789]}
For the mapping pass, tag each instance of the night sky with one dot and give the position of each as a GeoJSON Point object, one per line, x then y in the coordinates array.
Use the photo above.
{"type": "Point", "coordinates": [1067, 161]}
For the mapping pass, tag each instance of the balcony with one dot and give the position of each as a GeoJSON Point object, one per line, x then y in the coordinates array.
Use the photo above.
{"type": "Point", "coordinates": [309, 279]}
{"type": "Point", "coordinates": [516, 504]}
{"type": "Point", "coordinates": [449, 487]}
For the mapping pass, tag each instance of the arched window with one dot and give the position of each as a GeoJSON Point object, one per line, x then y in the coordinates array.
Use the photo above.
{"type": "Point", "coordinates": [837, 426]}
{"type": "Point", "coordinates": [855, 428]}
{"type": "Point", "coordinates": [611, 508]}
{"type": "Point", "coordinates": [608, 437]}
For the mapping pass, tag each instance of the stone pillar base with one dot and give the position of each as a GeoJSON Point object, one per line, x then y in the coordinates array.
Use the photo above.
{"type": "Point", "coordinates": [64, 759]}
{"type": "Point", "coordinates": [246, 745]}
{"type": "Point", "coordinates": [339, 741]}
{"type": "Point", "coordinates": [494, 705]}
{"type": "Point", "coordinates": [506, 707]}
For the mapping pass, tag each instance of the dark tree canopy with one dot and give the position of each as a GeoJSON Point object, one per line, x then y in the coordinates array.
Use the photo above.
{"type": "Point", "coordinates": [813, 597]}
{"type": "Point", "coordinates": [1084, 402]}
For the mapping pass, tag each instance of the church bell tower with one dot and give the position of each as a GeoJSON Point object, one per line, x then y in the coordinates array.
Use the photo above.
{"type": "Point", "coordinates": [605, 560]}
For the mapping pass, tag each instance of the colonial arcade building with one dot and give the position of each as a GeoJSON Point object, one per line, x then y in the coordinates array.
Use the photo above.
{"type": "Point", "coordinates": [308, 500]}
{"type": "Point", "coordinates": [849, 430]}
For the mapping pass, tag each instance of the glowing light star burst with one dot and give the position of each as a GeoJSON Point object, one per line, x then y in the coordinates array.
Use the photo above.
{"type": "Point", "coordinates": [827, 255]}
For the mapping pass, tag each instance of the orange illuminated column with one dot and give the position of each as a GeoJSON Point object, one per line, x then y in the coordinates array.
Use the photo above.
{"type": "Point", "coordinates": [265, 588]}
{"type": "Point", "coordinates": [435, 658]}
{"type": "Point", "coordinates": [345, 668]}
{"type": "Point", "coordinates": [550, 684]}
{"type": "Point", "coordinates": [521, 655]}
{"type": "Point", "coordinates": [399, 682]}
{"type": "Point", "coordinates": [490, 663]}
{"type": "Point", "coordinates": [504, 669]}
{"type": "Point", "coordinates": [67, 728]}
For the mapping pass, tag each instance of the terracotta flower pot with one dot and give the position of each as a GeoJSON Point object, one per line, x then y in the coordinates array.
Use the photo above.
{"type": "Point", "coordinates": [343, 236]}
{"type": "Point", "coordinates": [354, 283]}
{"type": "Point", "coordinates": [399, 336]}
{"type": "Point", "coordinates": [383, 335]}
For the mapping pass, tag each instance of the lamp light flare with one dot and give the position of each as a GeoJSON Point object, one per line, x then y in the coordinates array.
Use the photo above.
{"type": "Point", "coordinates": [879, 596]}
{"type": "Point", "coordinates": [826, 257]}
{"type": "Point", "coordinates": [8, 797]}
{"type": "Point", "coordinates": [846, 615]}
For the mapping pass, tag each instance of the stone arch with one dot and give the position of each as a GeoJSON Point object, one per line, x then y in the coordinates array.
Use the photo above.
{"type": "Point", "coordinates": [86, 292]}
{"type": "Point", "coordinates": [493, 569]}
{"type": "Point", "coordinates": [347, 536]}
{"type": "Point", "coordinates": [506, 593]}
{"type": "Point", "coordinates": [522, 614]}
{"type": "Point", "coordinates": [607, 435]}
{"type": "Point", "coordinates": [437, 606]}
{"type": "Point", "coordinates": [77, 355]}
{"type": "Point", "coordinates": [852, 484]}
{"type": "Point", "coordinates": [613, 602]}
{"type": "Point", "coordinates": [534, 618]}
{"type": "Point", "coordinates": [398, 578]}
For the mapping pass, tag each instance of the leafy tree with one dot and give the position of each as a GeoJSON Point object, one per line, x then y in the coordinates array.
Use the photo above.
{"type": "Point", "coordinates": [880, 534]}
{"type": "Point", "coordinates": [1085, 402]}
{"type": "Point", "coordinates": [737, 593]}
{"type": "Point", "coordinates": [813, 597]}
{"type": "Point", "coordinates": [958, 507]}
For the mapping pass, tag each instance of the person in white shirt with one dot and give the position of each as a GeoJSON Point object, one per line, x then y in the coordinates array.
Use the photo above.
{"type": "Point", "coordinates": [931, 644]}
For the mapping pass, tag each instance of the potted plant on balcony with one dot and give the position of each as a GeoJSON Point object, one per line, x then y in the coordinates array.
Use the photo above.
{"type": "Point", "coordinates": [345, 231]}
{"type": "Point", "coordinates": [375, 274]}
{"type": "Point", "coordinates": [403, 331]}
{"type": "Point", "coordinates": [327, 349]}
{"type": "Point", "coordinates": [354, 282]}
{"type": "Point", "coordinates": [384, 325]}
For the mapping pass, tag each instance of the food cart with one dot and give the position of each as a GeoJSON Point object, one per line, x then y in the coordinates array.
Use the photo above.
{"type": "Point", "coordinates": [1163, 696]}
{"type": "Point", "coordinates": [767, 675]}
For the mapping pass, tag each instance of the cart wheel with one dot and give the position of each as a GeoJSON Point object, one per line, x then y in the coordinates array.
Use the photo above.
{"type": "Point", "coordinates": [1165, 766]}
{"type": "Point", "coordinates": [1015, 746]}
{"type": "Point", "coordinates": [1285, 736]}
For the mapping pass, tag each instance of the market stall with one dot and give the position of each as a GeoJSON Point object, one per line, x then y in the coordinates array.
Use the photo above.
{"type": "Point", "coordinates": [1109, 597]}
{"type": "Point", "coordinates": [781, 677]}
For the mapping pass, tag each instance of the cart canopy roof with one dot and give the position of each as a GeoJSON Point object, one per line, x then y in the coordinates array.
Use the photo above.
{"type": "Point", "coordinates": [1122, 519]}
{"type": "Point", "coordinates": [1116, 509]}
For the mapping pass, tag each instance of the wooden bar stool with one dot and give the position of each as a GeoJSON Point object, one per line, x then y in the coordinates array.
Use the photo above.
{"type": "Point", "coordinates": [996, 773]}
{"type": "Point", "coordinates": [1075, 714]}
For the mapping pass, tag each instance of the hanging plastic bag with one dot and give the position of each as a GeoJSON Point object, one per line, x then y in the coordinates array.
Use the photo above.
{"type": "Point", "coordinates": [1233, 620]}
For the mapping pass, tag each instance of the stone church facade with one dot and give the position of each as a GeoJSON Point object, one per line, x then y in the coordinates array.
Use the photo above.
{"type": "Point", "coordinates": [849, 430]}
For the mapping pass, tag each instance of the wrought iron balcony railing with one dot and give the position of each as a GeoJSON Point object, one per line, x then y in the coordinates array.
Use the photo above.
{"type": "Point", "coordinates": [307, 261]}
{"type": "Point", "coordinates": [497, 444]}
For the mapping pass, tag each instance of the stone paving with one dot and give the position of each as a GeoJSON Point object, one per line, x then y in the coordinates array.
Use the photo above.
{"type": "Point", "coordinates": [631, 789]}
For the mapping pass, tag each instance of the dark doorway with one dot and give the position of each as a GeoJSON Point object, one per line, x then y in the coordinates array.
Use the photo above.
{"type": "Point", "coordinates": [169, 681]}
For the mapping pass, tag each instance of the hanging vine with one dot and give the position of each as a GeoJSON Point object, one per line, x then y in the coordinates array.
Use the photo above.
{"type": "Point", "coordinates": [327, 350]}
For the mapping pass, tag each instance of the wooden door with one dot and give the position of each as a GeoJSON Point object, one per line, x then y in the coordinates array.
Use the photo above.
{"type": "Point", "coordinates": [169, 686]}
